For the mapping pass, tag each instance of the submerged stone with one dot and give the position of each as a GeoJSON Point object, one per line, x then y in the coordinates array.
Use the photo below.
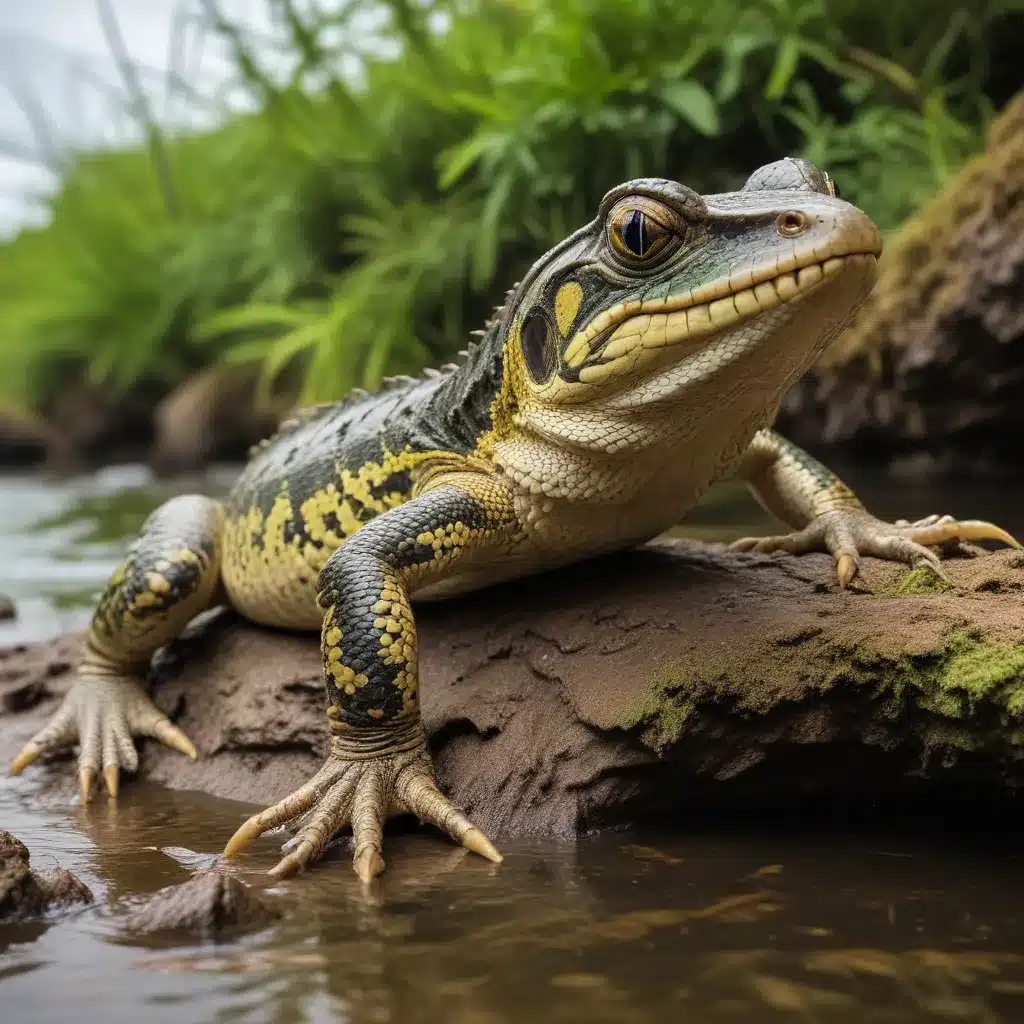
{"type": "Point", "coordinates": [211, 901]}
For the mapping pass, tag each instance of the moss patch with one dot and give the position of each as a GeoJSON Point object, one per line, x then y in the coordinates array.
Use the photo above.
{"type": "Point", "coordinates": [663, 710]}
{"type": "Point", "coordinates": [967, 694]}
{"type": "Point", "coordinates": [917, 582]}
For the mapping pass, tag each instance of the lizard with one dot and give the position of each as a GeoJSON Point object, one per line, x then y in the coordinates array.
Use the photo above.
{"type": "Point", "coordinates": [637, 362]}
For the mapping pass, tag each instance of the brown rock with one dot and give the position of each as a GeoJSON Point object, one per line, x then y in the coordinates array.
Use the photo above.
{"type": "Point", "coordinates": [7, 610]}
{"type": "Point", "coordinates": [210, 901]}
{"type": "Point", "coordinates": [928, 376]}
{"type": "Point", "coordinates": [61, 888]}
{"type": "Point", "coordinates": [23, 440]}
{"type": "Point", "coordinates": [94, 424]}
{"type": "Point", "coordinates": [217, 414]}
{"type": "Point", "coordinates": [634, 685]}
{"type": "Point", "coordinates": [27, 893]}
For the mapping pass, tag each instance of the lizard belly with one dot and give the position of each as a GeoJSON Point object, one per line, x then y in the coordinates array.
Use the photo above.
{"type": "Point", "coordinates": [274, 585]}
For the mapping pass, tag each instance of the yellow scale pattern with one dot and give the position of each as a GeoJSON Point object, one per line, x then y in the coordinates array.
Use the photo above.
{"type": "Point", "coordinates": [274, 579]}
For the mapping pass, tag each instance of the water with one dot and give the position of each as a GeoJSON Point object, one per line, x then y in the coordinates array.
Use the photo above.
{"type": "Point", "coordinates": [789, 918]}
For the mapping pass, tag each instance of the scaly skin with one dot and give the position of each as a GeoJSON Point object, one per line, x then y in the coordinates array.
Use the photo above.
{"type": "Point", "coordinates": [638, 362]}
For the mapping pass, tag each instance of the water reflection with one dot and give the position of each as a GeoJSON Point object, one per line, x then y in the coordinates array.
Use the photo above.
{"type": "Point", "coordinates": [717, 925]}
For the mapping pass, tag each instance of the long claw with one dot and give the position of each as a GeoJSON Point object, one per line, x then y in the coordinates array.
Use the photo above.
{"type": "Point", "coordinates": [971, 529]}
{"type": "Point", "coordinates": [291, 807]}
{"type": "Point", "coordinates": [112, 777]}
{"type": "Point", "coordinates": [368, 864]}
{"type": "Point", "coordinates": [173, 737]}
{"type": "Point", "coordinates": [846, 569]}
{"type": "Point", "coordinates": [476, 841]}
{"type": "Point", "coordinates": [29, 753]}
{"type": "Point", "coordinates": [86, 783]}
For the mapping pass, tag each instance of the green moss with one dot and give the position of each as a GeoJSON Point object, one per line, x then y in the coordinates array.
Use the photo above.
{"type": "Point", "coordinates": [665, 707]}
{"type": "Point", "coordinates": [922, 580]}
{"type": "Point", "coordinates": [955, 698]}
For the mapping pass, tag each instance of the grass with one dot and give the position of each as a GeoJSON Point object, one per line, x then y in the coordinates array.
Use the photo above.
{"type": "Point", "coordinates": [417, 156]}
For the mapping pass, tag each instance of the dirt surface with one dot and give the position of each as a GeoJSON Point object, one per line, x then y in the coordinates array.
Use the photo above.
{"type": "Point", "coordinates": [25, 893]}
{"type": "Point", "coordinates": [645, 683]}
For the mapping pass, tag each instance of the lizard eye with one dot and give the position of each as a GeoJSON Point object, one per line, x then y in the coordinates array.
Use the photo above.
{"type": "Point", "coordinates": [535, 340]}
{"type": "Point", "coordinates": [635, 234]}
{"type": "Point", "coordinates": [639, 231]}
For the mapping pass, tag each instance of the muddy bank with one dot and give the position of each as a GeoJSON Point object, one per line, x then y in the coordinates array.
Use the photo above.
{"type": "Point", "coordinates": [928, 376]}
{"type": "Point", "coordinates": [640, 684]}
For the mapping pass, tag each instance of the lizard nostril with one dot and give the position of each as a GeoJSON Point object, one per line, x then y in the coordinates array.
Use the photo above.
{"type": "Point", "coordinates": [792, 223]}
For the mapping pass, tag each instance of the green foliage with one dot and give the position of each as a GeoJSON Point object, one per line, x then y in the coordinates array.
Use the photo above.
{"type": "Point", "coordinates": [419, 155]}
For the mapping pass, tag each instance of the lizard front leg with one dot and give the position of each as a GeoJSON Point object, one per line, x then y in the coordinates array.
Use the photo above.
{"type": "Point", "coordinates": [827, 516]}
{"type": "Point", "coordinates": [170, 574]}
{"type": "Point", "coordinates": [379, 764]}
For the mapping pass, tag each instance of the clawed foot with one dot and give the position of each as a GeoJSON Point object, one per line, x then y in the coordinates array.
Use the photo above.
{"type": "Point", "coordinates": [363, 793]}
{"type": "Point", "coordinates": [852, 533]}
{"type": "Point", "coordinates": [102, 714]}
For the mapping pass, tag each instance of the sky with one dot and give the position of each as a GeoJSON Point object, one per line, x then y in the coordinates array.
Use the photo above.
{"type": "Point", "coordinates": [54, 59]}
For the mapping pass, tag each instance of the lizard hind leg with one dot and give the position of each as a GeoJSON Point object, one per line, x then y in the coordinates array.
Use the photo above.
{"type": "Point", "coordinates": [169, 576]}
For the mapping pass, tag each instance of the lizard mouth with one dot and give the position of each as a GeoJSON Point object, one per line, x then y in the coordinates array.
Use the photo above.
{"type": "Point", "coordinates": [619, 337]}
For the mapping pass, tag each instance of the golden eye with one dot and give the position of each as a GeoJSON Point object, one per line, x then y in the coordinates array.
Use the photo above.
{"type": "Point", "coordinates": [639, 231]}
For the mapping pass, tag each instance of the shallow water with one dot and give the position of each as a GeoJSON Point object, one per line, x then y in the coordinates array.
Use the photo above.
{"type": "Point", "coordinates": [776, 920]}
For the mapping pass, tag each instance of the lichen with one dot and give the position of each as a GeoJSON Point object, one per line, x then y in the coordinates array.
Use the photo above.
{"type": "Point", "coordinates": [915, 583]}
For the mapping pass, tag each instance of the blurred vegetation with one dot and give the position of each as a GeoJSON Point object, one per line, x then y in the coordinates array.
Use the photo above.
{"type": "Point", "coordinates": [417, 155]}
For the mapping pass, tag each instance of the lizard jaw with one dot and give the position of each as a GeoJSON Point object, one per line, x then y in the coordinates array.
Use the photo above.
{"type": "Point", "coordinates": [641, 336]}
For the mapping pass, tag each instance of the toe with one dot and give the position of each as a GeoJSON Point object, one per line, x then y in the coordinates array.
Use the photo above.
{"type": "Point", "coordinates": [156, 724]}
{"type": "Point", "coordinates": [369, 811]}
{"type": "Point", "coordinates": [420, 796]}
{"type": "Point", "coordinates": [290, 808]}
{"type": "Point", "coordinates": [60, 731]}
{"type": "Point", "coordinates": [331, 814]}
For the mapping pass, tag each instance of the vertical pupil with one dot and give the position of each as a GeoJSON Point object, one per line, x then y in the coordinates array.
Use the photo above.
{"type": "Point", "coordinates": [535, 346]}
{"type": "Point", "coordinates": [635, 233]}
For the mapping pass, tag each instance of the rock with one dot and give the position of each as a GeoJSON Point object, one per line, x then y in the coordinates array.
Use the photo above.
{"type": "Point", "coordinates": [7, 610]}
{"type": "Point", "coordinates": [23, 440]}
{"type": "Point", "coordinates": [93, 424]}
{"type": "Point", "coordinates": [61, 888]}
{"type": "Point", "coordinates": [26, 893]}
{"type": "Point", "coordinates": [636, 685]}
{"type": "Point", "coordinates": [210, 901]}
{"type": "Point", "coordinates": [928, 377]}
{"type": "Point", "coordinates": [216, 414]}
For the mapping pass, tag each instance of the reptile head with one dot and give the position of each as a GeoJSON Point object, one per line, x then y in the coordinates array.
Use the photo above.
{"type": "Point", "coordinates": [667, 288]}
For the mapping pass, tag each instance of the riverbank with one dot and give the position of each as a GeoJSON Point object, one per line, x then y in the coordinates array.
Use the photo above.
{"type": "Point", "coordinates": [627, 688]}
